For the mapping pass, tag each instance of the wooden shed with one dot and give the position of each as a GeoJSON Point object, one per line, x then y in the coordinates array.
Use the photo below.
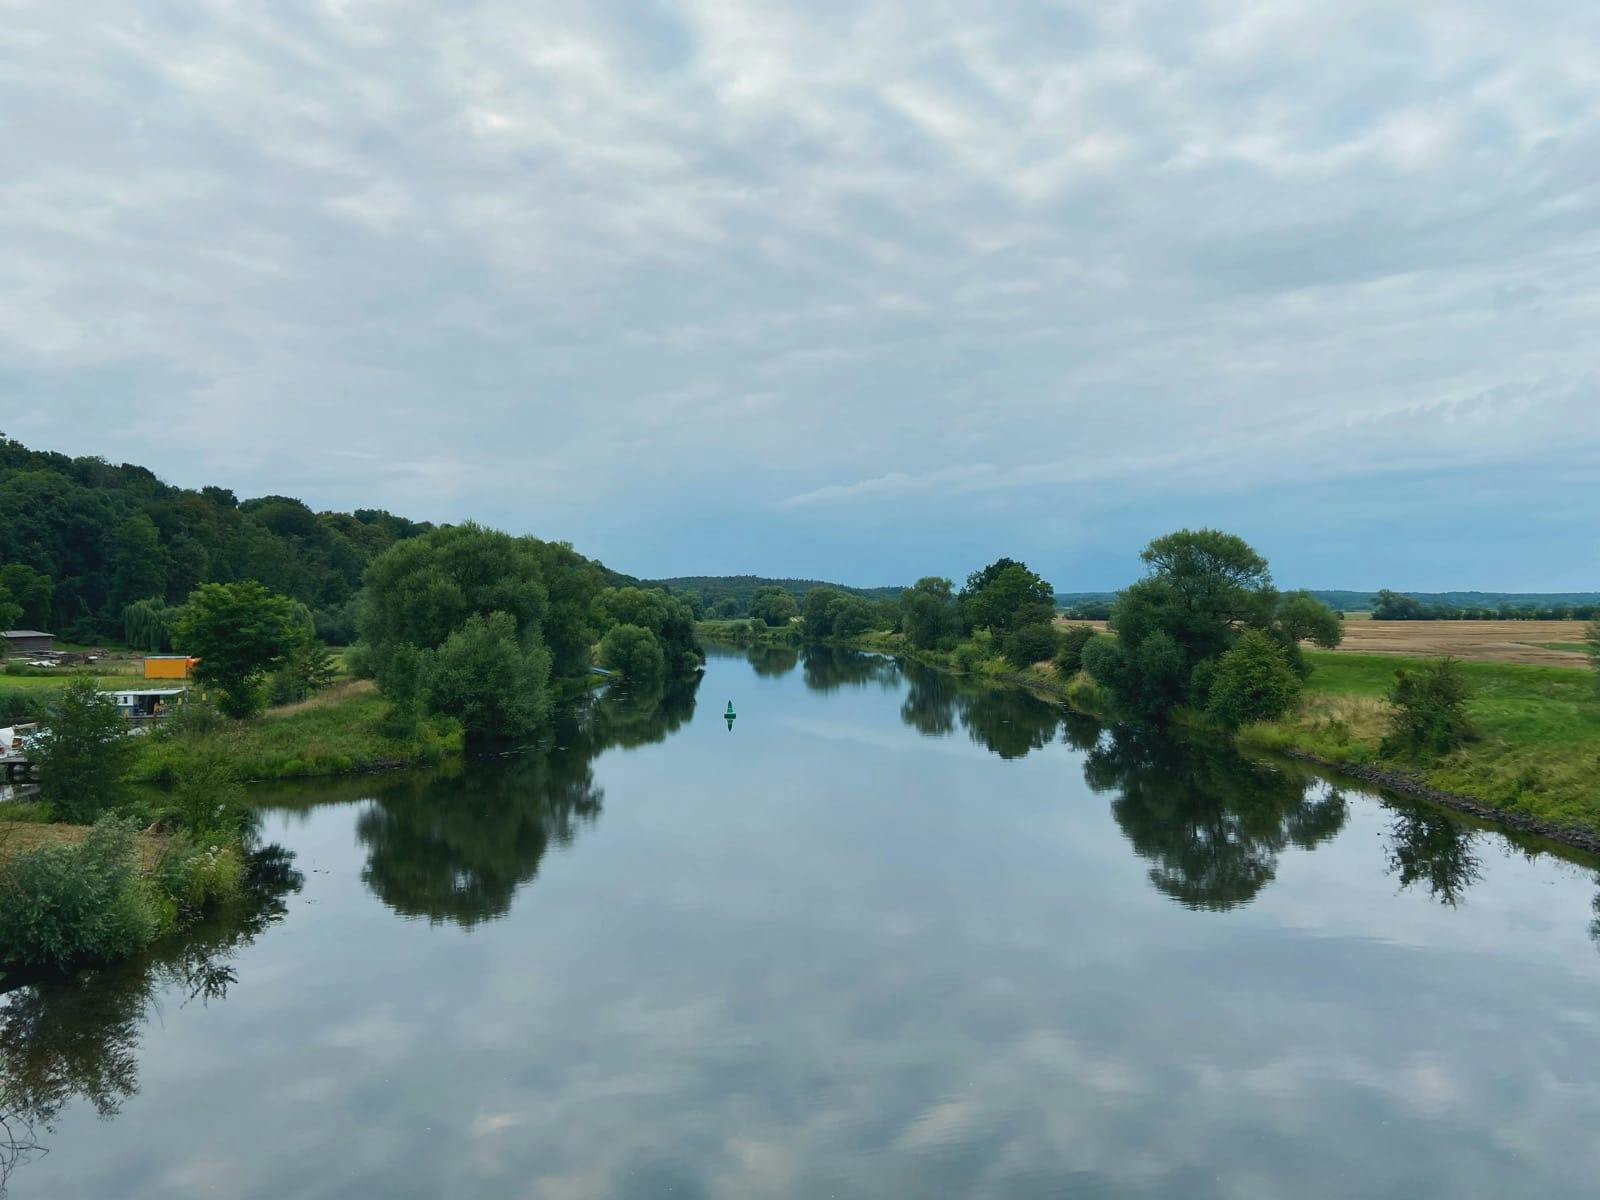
{"type": "Point", "coordinates": [28, 641]}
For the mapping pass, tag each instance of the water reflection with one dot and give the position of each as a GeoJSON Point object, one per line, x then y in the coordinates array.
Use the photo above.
{"type": "Point", "coordinates": [457, 846]}
{"type": "Point", "coordinates": [1434, 850]}
{"type": "Point", "coordinates": [1009, 721]}
{"type": "Point", "coordinates": [1212, 822]}
{"type": "Point", "coordinates": [76, 1037]}
{"type": "Point", "coordinates": [829, 668]}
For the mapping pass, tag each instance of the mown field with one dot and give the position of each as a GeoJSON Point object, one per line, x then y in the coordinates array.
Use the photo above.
{"type": "Point", "coordinates": [1535, 643]}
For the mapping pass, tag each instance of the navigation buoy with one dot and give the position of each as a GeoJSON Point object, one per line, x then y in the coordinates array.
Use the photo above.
{"type": "Point", "coordinates": [730, 715]}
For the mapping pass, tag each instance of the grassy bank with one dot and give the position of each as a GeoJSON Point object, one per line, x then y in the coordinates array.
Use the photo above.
{"type": "Point", "coordinates": [336, 732]}
{"type": "Point", "coordinates": [1536, 753]}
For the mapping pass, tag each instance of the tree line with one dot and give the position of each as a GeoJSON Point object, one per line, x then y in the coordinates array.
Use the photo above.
{"type": "Point", "coordinates": [1390, 605]}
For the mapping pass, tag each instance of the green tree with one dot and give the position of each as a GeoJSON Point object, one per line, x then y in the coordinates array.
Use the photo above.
{"type": "Point", "coordinates": [849, 616]}
{"type": "Point", "coordinates": [1394, 606]}
{"type": "Point", "coordinates": [421, 591]}
{"type": "Point", "coordinates": [1004, 596]}
{"type": "Point", "coordinates": [10, 610]}
{"type": "Point", "coordinates": [1301, 617]}
{"type": "Point", "coordinates": [1430, 710]}
{"type": "Point", "coordinates": [928, 614]}
{"type": "Point", "coordinates": [31, 590]}
{"type": "Point", "coordinates": [138, 565]}
{"type": "Point", "coordinates": [572, 583]}
{"type": "Point", "coordinates": [238, 631]}
{"type": "Point", "coordinates": [1253, 681]}
{"type": "Point", "coordinates": [667, 617]}
{"type": "Point", "coordinates": [83, 753]}
{"type": "Point", "coordinates": [1204, 587]}
{"type": "Point", "coordinates": [490, 677]}
{"type": "Point", "coordinates": [814, 611]}
{"type": "Point", "coordinates": [1030, 644]}
{"type": "Point", "coordinates": [774, 606]}
{"type": "Point", "coordinates": [147, 624]}
{"type": "Point", "coordinates": [633, 652]}
{"type": "Point", "coordinates": [405, 691]}
{"type": "Point", "coordinates": [308, 669]}
{"type": "Point", "coordinates": [1069, 654]}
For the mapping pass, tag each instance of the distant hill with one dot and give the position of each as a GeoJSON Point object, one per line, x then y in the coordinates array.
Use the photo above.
{"type": "Point", "coordinates": [714, 589]}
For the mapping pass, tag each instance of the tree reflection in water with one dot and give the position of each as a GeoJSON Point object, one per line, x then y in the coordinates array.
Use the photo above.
{"type": "Point", "coordinates": [457, 846]}
{"type": "Point", "coordinates": [1433, 849]}
{"type": "Point", "coordinates": [829, 668]}
{"type": "Point", "coordinates": [1010, 721]}
{"type": "Point", "coordinates": [1212, 822]}
{"type": "Point", "coordinates": [77, 1036]}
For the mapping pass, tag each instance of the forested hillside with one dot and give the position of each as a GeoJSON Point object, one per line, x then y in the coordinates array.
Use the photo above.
{"type": "Point", "coordinates": [107, 535]}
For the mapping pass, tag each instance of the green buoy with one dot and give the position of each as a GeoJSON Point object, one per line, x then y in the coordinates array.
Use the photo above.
{"type": "Point", "coordinates": [730, 715]}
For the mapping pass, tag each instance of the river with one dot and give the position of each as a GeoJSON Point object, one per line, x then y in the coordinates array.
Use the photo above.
{"type": "Point", "coordinates": [886, 936]}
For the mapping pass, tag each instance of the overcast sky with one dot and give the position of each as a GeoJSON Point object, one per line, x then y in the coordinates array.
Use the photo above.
{"type": "Point", "coordinates": [856, 291]}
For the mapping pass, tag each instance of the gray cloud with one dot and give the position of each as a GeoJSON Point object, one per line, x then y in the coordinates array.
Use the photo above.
{"type": "Point", "coordinates": [553, 265]}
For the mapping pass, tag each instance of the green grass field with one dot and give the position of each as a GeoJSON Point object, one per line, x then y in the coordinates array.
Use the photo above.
{"type": "Point", "coordinates": [1537, 749]}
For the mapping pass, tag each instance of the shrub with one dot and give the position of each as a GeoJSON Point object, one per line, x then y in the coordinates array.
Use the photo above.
{"type": "Point", "coordinates": [1031, 644]}
{"type": "Point", "coordinates": [200, 879]}
{"type": "Point", "coordinates": [60, 904]}
{"type": "Point", "coordinates": [1068, 659]}
{"type": "Point", "coordinates": [1430, 714]}
{"type": "Point", "coordinates": [83, 753]}
{"type": "Point", "coordinates": [1252, 682]}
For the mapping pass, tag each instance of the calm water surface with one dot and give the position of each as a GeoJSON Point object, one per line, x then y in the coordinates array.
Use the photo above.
{"type": "Point", "coordinates": [886, 937]}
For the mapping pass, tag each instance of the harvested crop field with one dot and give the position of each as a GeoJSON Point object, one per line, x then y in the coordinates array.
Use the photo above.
{"type": "Point", "coordinates": [1540, 643]}
{"type": "Point", "coordinates": [1485, 641]}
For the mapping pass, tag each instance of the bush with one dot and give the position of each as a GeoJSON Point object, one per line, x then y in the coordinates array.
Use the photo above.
{"type": "Point", "coordinates": [60, 905]}
{"type": "Point", "coordinates": [1068, 660]}
{"type": "Point", "coordinates": [1252, 682]}
{"type": "Point", "coordinates": [200, 879]}
{"type": "Point", "coordinates": [19, 706]}
{"type": "Point", "coordinates": [83, 753]}
{"type": "Point", "coordinates": [208, 803]}
{"type": "Point", "coordinates": [1031, 644]}
{"type": "Point", "coordinates": [1430, 710]}
{"type": "Point", "coordinates": [633, 652]}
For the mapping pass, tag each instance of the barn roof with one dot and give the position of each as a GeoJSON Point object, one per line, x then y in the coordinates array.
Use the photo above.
{"type": "Point", "coordinates": [26, 633]}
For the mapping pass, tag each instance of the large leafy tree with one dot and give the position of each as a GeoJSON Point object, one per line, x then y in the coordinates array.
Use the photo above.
{"type": "Point", "coordinates": [420, 591]}
{"type": "Point", "coordinates": [239, 632]}
{"type": "Point", "coordinates": [1205, 588]}
{"type": "Point", "coordinates": [1005, 596]}
{"type": "Point", "coordinates": [668, 618]}
{"type": "Point", "coordinates": [773, 605]}
{"type": "Point", "coordinates": [928, 613]}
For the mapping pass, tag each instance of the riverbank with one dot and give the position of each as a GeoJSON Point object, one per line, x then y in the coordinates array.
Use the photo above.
{"type": "Point", "coordinates": [1532, 766]}
{"type": "Point", "coordinates": [1535, 759]}
{"type": "Point", "coordinates": [337, 732]}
